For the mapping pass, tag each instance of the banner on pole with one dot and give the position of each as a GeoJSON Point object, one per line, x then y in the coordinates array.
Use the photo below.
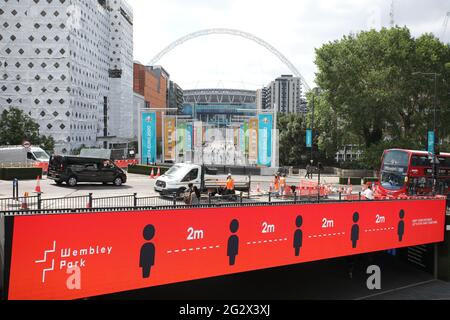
{"type": "Point", "coordinates": [309, 139]}
{"type": "Point", "coordinates": [265, 140]}
{"type": "Point", "coordinates": [148, 137]}
{"type": "Point", "coordinates": [431, 141]}
{"type": "Point", "coordinates": [170, 139]}
{"type": "Point", "coordinates": [253, 140]}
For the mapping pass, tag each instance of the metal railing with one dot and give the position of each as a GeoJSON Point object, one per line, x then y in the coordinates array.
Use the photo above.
{"type": "Point", "coordinates": [89, 203]}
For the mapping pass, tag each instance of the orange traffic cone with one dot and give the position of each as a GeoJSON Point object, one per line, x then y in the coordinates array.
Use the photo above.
{"type": "Point", "coordinates": [24, 205]}
{"type": "Point", "coordinates": [159, 172]}
{"type": "Point", "coordinates": [152, 176]}
{"type": "Point", "coordinates": [38, 185]}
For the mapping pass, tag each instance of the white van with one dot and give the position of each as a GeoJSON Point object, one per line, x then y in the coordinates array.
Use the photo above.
{"type": "Point", "coordinates": [22, 155]}
{"type": "Point", "coordinates": [177, 179]}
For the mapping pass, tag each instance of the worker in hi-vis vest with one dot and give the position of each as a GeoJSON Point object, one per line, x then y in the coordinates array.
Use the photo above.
{"type": "Point", "coordinates": [276, 183]}
{"type": "Point", "coordinates": [230, 185]}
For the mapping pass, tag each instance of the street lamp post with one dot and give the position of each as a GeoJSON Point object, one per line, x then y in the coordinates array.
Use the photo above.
{"type": "Point", "coordinates": [434, 161]}
{"type": "Point", "coordinates": [312, 128]}
{"type": "Point", "coordinates": [318, 184]}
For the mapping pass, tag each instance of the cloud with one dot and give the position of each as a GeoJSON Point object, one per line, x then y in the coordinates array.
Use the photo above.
{"type": "Point", "coordinates": [294, 27]}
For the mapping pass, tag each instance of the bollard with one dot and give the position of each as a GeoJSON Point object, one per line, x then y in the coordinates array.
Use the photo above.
{"type": "Point", "coordinates": [16, 189]}
{"type": "Point", "coordinates": [39, 201]}
{"type": "Point", "coordinates": [340, 196]}
{"type": "Point", "coordinates": [270, 197]}
{"type": "Point", "coordinates": [242, 200]}
{"type": "Point", "coordinates": [90, 200]}
{"type": "Point", "coordinates": [174, 199]}
{"type": "Point", "coordinates": [360, 196]}
{"type": "Point", "coordinates": [135, 199]}
{"type": "Point", "coordinates": [209, 198]}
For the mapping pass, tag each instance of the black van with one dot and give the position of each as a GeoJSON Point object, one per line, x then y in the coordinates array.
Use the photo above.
{"type": "Point", "coordinates": [73, 170]}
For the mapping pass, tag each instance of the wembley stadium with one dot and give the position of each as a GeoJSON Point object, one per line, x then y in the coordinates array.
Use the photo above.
{"type": "Point", "coordinates": [219, 107]}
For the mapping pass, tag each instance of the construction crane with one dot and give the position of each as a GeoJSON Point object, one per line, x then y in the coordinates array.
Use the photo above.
{"type": "Point", "coordinates": [447, 17]}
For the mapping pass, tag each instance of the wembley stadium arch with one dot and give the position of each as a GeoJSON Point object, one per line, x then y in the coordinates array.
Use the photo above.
{"type": "Point", "coordinates": [237, 33]}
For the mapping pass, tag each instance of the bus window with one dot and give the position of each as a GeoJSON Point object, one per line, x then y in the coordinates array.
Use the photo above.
{"type": "Point", "coordinates": [393, 181]}
{"type": "Point", "coordinates": [397, 158]}
{"type": "Point", "coordinates": [420, 161]}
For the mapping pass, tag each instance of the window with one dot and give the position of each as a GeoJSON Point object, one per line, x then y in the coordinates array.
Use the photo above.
{"type": "Point", "coordinates": [191, 176]}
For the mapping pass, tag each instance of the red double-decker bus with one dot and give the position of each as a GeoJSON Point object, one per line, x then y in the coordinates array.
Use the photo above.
{"type": "Point", "coordinates": [407, 172]}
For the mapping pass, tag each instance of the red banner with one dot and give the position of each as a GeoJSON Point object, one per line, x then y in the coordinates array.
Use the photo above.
{"type": "Point", "coordinates": [82, 255]}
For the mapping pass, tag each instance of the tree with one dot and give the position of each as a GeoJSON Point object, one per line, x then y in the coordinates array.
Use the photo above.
{"type": "Point", "coordinates": [292, 139]}
{"type": "Point", "coordinates": [18, 127]}
{"type": "Point", "coordinates": [371, 96]}
{"type": "Point", "coordinates": [47, 143]}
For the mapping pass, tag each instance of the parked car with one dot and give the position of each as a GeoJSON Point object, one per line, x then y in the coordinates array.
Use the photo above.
{"type": "Point", "coordinates": [72, 170]}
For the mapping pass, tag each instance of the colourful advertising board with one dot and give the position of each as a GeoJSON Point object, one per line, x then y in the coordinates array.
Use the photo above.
{"type": "Point", "coordinates": [265, 140]}
{"type": "Point", "coordinates": [170, 140]}
{"type": "Point", "coordinates": [189, 137]}
{"type": "Point", "coordinates": [253, 140]}
{"type": "Point", "coordinates": [72, 256]}
{"type": "Point", "coordinates": [181, 138]}
{"type": "Point", "coordinates": [247, 140]}
{"type": "Point", "coordinates": [242, 138]}
{"type": "Point", "coordinates": [148, 137]}
{"type": "Point", "coordinates": [198, 134]}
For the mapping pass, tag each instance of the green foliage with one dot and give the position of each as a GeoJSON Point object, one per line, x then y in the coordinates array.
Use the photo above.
{"type": "Point", "coordinates": [47, 144]}
{"type": "Point", "coordinates": [18, 127]}
{"type": "Point", "coordinates": [374, 93]}
{"type": "Point", "coordinates": [292, 139]}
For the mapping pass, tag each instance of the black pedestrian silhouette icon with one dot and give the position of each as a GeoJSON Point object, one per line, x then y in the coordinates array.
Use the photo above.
{"type": "Point", "coordinates": [148, 251]}
{"type": "Point", "coordinates": [355, 230]}
{"type": "Point", "coordinates": [233, 242]}
{"type": "Point", "coordinates": [298, 236]}
{"type": "Point", "coordinates": [401, 226]}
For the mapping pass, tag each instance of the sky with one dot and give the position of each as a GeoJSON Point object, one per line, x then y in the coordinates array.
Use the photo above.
{"type": "Point", "coordinates": [294, 27]}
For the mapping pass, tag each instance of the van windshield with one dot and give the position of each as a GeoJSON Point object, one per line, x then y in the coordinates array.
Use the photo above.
{"type": "Point", "coordinates": [176, 170]}
{"type": "Point", "coordinates": [41, 156]}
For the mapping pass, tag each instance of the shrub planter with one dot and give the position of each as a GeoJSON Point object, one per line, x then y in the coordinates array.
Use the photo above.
{"type": "Point", "coordinates": [146, 170]}
{"type": "Point", "coordinates": [353, 181]}
{"type": "Point", "coordinates": [9, 174]}
{"type": "Point", "coordinates": [355, 173]}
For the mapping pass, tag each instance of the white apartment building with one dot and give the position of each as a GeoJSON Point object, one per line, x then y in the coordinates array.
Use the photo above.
{"type": "Point", "coordinates": [286, 93]}
{"type": "Point", "coordinates": [68, 64]}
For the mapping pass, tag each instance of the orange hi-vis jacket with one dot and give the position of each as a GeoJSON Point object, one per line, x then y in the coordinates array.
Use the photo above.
{"type": "Point", "coordinates": [276, 183]}
{"type": "Point", "coordinates": [230, 184]}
